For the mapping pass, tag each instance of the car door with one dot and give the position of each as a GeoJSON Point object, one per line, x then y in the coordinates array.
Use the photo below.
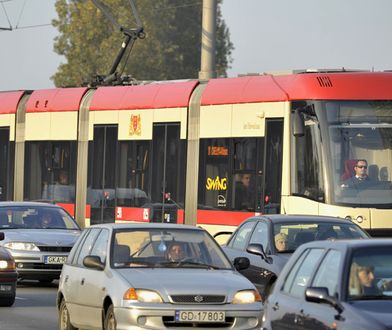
{"type": "Point", "coordinates": [285, 305]}
{"type": "Point", "coordinates": [92, 288]}
{"type": "Point", "coordinates": [260, 271]}
{"type": "Point", "coordinates": [318, 315]}
{"type": "Point", "coordinates": [78, 310]}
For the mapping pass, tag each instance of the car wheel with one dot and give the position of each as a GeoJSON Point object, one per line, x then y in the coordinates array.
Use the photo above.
{"type": "Point", "coordinates": [6, 302]}
{"type": "Point", "coordinates": [64, 320]}
{"type": "Point", "coordinates": [110, 320]}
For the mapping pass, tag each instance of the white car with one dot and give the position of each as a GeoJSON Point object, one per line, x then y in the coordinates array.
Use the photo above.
{"type": "Point", "coordinates": [154, 276]}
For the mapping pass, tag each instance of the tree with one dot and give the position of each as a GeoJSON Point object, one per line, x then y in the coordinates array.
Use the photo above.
{"type": "Point", "coordinates": [171, 50]}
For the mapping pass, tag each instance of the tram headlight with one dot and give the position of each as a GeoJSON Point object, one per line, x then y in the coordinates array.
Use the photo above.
{"type": "Point", "coordinates": [359, 219]}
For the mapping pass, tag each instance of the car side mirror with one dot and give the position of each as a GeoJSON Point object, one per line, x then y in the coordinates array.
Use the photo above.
{"type": "Point", "coordinates": [321, 295]}
{"type": "Point", "coordinates": [259, 250]}
{"type": "Point", "coordinates": [93, 262]}
{"type": "Point", "coordinates": [1, 236]}
{"type": "Point", "coordinates": [241, 263]}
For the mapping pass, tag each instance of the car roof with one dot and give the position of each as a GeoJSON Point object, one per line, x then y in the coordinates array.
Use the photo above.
{"type": "Point", "coordinates": [28, 204]}
{"type": "Point", "coordinates": [349, 243]}
{"type": "Point", "coordinates": [295, 218]}
{"type": "Point", "coordinates": [146, 225]}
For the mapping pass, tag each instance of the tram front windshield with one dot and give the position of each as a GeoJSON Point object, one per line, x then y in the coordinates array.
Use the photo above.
{"type": "Point", "coordinates": [358, 130]}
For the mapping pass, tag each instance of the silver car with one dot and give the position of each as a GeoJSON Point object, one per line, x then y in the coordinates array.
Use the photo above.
{"type": "Point", "coordinates": [39, 236]}
{"type": "Point", "coordinates": [154, 276]}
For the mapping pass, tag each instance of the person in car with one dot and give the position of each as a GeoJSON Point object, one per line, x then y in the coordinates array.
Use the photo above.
{"type": "Point", "coordinates": [46, 220]}
{"type": "Point", "coordinates": [362, 281]}
{"type": "Point", "coordinates": [281, 242]}
{"type": "Point", "coordinates": [175, 252]}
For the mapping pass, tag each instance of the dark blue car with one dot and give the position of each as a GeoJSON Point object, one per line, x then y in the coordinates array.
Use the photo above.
{"type": "Point", "coordinates": [334, 285]}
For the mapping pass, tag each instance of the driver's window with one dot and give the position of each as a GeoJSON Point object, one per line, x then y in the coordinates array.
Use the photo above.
{"type": "Point", "coordinates": [326, 275]}
{"type": "Point", "coordinates": [240, 240]}
{"type": "Point", "coordinates": [306, 269]}
{"type": "Point", "coordinates": [260, 235]}
{"type": "Point", "coordinates": [100, 246]}
{"type": "Point", "coordinates": [87, 245]}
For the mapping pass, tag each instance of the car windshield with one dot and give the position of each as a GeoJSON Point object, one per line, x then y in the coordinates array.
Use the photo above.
{"type": "Point", "coordinates": [288, 236]}
{"type": "Point", "coordinates": [35, 217]}
{"type": "Point", "coordinates": [370, 275]}
{"type": "Point", "coordinates": [166, 248]}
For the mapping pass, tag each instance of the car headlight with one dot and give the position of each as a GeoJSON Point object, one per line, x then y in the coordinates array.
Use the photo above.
{"type": "Point", "coordinates": [22, 246]}
{"type": "Point", "coordinates": [246, 297]}
{"type": "Point", "coordinates": [7, 265]}
{"type": "Point", "coordinates": [142, 295]}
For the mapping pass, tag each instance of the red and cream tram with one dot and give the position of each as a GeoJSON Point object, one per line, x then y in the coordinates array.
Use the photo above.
{"type": "Point", "coordinates": [207, 153]}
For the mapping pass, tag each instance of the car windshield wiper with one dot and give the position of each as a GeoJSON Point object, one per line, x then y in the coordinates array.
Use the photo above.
{"type": "Point", "coordinates": [190, 264]}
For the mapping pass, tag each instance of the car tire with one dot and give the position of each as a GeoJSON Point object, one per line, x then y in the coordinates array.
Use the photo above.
{"type": "Point", "coordinates": [7, 302]}
{"type": "Point", "coordinates": [64, 319]}
{"type": "Point", "coordinates": [110, 319]}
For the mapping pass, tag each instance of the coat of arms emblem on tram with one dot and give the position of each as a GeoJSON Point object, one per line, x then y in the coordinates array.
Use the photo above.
{"type": "Point", "coordinates": [135, 126]}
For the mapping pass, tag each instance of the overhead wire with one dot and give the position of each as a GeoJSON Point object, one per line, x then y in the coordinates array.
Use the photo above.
{"type": "Point", "coordinates": [20, 14]}
{"type": "Point", "coordinates": [6, 15]}
{"type": "Point", "coordinates": [17, 27]}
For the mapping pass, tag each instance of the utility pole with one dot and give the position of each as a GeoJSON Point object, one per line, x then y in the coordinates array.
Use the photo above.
{"type": "Point", "coordinates": [208, 40]}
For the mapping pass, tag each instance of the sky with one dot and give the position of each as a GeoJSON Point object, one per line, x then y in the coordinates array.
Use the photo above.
{"type": "Point", "coordinates": [277, 35]}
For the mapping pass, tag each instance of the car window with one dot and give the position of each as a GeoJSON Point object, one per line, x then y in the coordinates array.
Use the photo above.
{"type": "Point", "coordinates": [370, 274]}
{"type": "Point", "coordinates": [36, 217]}
{"type": "Point", "coordinates": [100, 246]}
{"type": "Point", "coordinates": [260, 235]}
{"type": "Point", "coordinates": [291, 275]}
{"type": "Point", "coordinates": [301, 279]}
{"type": "Point", "coordinates": [241, 238]}
{"type": "Point", "coordinates": [76, 248]}
{"type": "Point", "coordinates": [166, 248]}
{"type": "Point", "coordinates": [327, 274]}
{"type": "Point", "coordinates": [87, 245]}
{"type": "Point", "coordinates": [298, 233]}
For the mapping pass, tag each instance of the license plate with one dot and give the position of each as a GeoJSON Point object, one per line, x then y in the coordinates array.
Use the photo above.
{"type": "Point", "coordinates": [5, 288]}
{"type": "Point", "coordinates": [55, 259]}
{"type": "Point", "coordinates": [199, 316]}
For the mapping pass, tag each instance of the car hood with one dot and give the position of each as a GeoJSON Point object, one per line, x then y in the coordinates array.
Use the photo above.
{"type": "Point", "coordinates": [57, 237]}
{"type": "Point", "coordinates": [169, 281]}
{"type": "Point", "coordinates": [378, 310]}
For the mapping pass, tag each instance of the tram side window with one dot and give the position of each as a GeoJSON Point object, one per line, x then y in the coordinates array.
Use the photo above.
{"type": "Point", "coordinates": [133, 176]}
{"type": "Point", "coordinates": [228, 173]}
{"type": "Point", "coordinates": [50, 171]}
{"type": "Point", "coordinates": [214, 173]}
{"type": "Point", "coordinates": [308, 180]}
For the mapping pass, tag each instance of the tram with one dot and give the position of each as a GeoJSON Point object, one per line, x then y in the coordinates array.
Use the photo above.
{"type": "Point", "coordinates": [204, 153]}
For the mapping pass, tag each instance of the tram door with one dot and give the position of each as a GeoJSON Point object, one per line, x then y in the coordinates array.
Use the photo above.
{"type": "Point", "coordinates": [102, 174]}
{"type": "Point", "coordinates": [168, 172]}
{"type": "Point", "coordinates": [6, 165]}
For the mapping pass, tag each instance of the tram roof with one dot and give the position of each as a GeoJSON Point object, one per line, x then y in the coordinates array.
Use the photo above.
{"type": "Point", "coordinates": [151, 96]}
{"type": "Point", "coordinates": [55, 100]}
{"type": "Point", "coordinates": [9, 101]}
{"type": "Point", "coordinates": [303, 86]}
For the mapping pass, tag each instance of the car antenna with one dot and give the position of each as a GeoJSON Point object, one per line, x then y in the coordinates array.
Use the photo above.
{"type": "Point", "coordinates": [131, 35]}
